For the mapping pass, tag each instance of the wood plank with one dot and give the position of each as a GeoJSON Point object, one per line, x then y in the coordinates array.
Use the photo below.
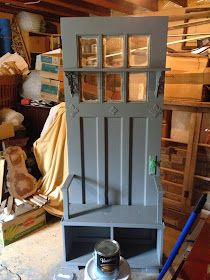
{"type": "Point", "coordinates": [188, 24]}
{"type": "Point", "coordinates": [190, 164]}
{"type": "Point", "coordinates": [81, 7]}
{"type": "Point", "coordinates": [2, 164]}
{"type": "Point", "coordinates": [118, 5]}
{"type": "Point", "coordinates": [151, 5]}
{"type": "Point", "coordinates": [172, 170]}
{"type": "Point", "coordinates": [55, 10]}
{"type": "Point", "coordinates": [172, 140]}
{"type": "Point", "coordinates": [204, 145]}
{"type": "Point", "coordinates": [202, 178]}
{"type": "Point", "coordinates": [194, 15]}
{"type": "Point", "coordinates": [14, 10]}
{"type": "Point", "coordinates": [9, 205]}
{"type": "Point", "coordinates": [182, 3]}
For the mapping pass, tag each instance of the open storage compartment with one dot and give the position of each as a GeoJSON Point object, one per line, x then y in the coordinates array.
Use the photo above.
{"type": "Point", "coordinates": [80, 242]}
{"type": "Point", "coordinates": [137, 244]}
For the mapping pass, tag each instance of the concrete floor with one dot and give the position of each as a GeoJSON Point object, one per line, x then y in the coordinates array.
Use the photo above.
{"type": "Point", "coordinates": [39, 255]}
{"type": "Point", "coordinates": [36, 256]}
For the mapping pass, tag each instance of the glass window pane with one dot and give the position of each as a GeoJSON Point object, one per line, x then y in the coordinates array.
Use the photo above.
{"type": "Point", "coordinates": [89, 87]}
{"type": "Point", "coordinates": [138, 48]}
{"type": "Point", "coordinates": [112, 87]}
{"type": "Point", "coordinates": [87, 52]}
{"type": "Point", "coordinates": [137, 86]}
{"type": "Point", "coordinates": [112, 51]}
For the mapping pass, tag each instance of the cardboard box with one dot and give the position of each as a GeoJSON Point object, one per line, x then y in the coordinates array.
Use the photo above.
{"type": "Point", "coordinates": [51, 71]}
{"type": "Point", "coordinates": [55, 59]}
{"type": "Point", "coordinates": [6, 130]}
{"type": "Point", "coordinates": [52, 90]}
{"type": "Point", "coordinates": [22, 225]}
{"type": "Point", "coordinates": [186, 78]}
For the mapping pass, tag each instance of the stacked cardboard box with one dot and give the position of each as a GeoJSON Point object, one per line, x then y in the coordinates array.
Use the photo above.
{"type": "Point", "coordinates": [52, 86]}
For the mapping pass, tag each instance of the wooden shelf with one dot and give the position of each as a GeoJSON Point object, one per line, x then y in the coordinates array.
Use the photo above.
{"type": "Point", "coordinates": [172, 170]}
{"type": "Point", "coordinates": [44, 34]}
{"type": "Point", "coordinates": [204, 145]}
{"type": "Point", "coordinates": [202, 178]}
{"type": "Point", "coordinates": [172, 140]}
{"type": "Point", "coordinates": [172, 183]}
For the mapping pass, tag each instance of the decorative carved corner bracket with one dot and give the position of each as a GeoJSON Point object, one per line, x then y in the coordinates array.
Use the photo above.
{"type": "Point", "coordinates": [73, 80]}
{"type": "Point", "coordinates": [155, 110]}
{"type": "Point", "coordinates": [157, 81]}
{"type": "Point", "coordinates": [161, 82]}
{"type": "Point", "coordinates": [113, 110]}
{"type": "Point", "coordinates": [73, 110]}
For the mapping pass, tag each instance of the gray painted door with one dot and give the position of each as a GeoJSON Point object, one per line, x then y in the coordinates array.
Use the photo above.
{"type": "Point", "coordinates": [114, 107]}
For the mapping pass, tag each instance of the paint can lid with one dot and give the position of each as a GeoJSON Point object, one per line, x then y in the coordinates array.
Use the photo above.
{"type": "Point", "coordinates": [107, 247]}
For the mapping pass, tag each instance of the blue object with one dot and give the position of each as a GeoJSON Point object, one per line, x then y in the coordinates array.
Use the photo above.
{"type": "Point", "coordinates": [183, 234]}
{"type": "Point", "coordinates": [5, 36]}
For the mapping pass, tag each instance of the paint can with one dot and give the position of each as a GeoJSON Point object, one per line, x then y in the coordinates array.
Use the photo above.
{"type": "Point", "coordinates": [107, 259]}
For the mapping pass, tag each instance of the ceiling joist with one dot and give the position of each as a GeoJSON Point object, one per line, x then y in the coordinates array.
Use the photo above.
{"type": "Point", "coordinates": [42, 7]}
{"type": "Point", "coordinates": [151, 5]}
{"type": "Point", "coordinates": [117, 5]}
{"type": "Point", "coordinates": [80, 7]}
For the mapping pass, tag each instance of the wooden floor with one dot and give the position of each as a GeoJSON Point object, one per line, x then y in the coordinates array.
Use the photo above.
{"type": "Point", "coordinates": [170, 237]}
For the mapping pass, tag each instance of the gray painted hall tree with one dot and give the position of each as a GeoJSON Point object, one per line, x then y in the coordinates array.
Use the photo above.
{"type": "Point", "coordinates": [114, 73]}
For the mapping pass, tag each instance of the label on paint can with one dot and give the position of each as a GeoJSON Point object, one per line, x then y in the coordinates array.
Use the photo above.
{"type": "Point", "coordinates": [107, 256]}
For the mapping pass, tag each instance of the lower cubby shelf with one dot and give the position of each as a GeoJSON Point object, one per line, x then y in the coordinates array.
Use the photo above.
{"type": "Point", "coordinates": [138, 245]}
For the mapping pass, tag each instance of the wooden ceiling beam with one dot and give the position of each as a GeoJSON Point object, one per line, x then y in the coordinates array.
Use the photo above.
{"type": "Point", "coordinates": [117, 5]}
{"type": "Point", "coordinates": [80, 7]}
{"type": "Point", "coordinates": [151, 5]}
{"type": "Point", "coordinates": [40, 7]}
{"type": "Point", "coordinates": [182, 3]}
{"type": "Point", "coordinates": [15, 10]}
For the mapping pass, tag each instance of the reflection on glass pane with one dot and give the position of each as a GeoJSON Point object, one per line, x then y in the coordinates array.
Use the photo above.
{"type": "Point", "coordinates": [112, 51]}
{"type": "Point", "coordinates": [137, 87]}
{"type": "Point", "coordinates": [112, 87]}
{"type": "Point", "coordinates": [205, 129]}
{"type": "Point", "coordinates": [89, 87]}
{"type": "Point", "coordinates": [88, 52]}
{"type": "Point", "coordinates": [138, 47]}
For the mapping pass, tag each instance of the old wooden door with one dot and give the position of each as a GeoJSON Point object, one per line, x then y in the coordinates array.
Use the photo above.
{"type": "Point", "coordinates": [114, 106]}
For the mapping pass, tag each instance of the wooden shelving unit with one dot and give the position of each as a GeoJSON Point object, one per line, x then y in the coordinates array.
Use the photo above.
{"type": "Point", "coordinates": [185, 166]}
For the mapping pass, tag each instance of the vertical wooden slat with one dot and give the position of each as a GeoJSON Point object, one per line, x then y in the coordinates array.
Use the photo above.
{"type": "Point", "coordinates": [192, 148]}
{"type": "Point", "coordinates": [106, 157]}
{"type": "Point", "coordinates": [74, 137]}
{"type": "Point", "coordinates": [114, 160]}
{"type": "Point", "coordinates": [124, 182]}
{"type": "Point", "coordinates": [101, 158]}
{"type": "Point", "coordinates": [90, 158]}
{"type": "Point", "coordinates": [82, 160]}
{"type": "Point", "coordinates": [130, 161]}
{"type": "Point", "coordinates": [138, 160]}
